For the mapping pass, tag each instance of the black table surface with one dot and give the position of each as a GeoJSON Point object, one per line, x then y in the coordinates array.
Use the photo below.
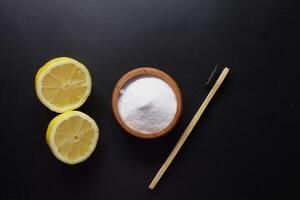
{"type": "Point", "coordinates": [245, 145]}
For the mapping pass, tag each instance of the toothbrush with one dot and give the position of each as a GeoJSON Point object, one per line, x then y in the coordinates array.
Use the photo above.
{"type": "Point", "coordinates": [214, 82]}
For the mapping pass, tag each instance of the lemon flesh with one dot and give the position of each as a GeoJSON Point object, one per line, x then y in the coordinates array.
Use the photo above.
{"type": "Point", "coordinates": [63, 84]}
{"type": "Point", "coordinates": [72, 136]}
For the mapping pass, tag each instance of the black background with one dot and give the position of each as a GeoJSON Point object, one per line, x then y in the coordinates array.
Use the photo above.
{"type": "Point", "coordinates": [245, 145]}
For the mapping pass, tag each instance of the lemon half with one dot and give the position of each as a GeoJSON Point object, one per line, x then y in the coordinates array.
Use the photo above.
{"type": "Point", "coordinates": [72, 136]}
{"type": "Point", "coordinates": [63, 84]}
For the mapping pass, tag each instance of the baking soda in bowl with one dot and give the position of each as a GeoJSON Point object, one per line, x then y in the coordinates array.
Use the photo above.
{"type": "Point", "coordinates": [147, 104]}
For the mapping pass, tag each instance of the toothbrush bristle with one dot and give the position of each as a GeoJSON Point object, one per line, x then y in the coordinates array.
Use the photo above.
{"type": "Point", "coordinates": [214, 76]}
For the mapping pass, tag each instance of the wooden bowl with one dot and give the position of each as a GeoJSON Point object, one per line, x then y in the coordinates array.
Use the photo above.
{"type": "Point", "coordinates": [152, 72]}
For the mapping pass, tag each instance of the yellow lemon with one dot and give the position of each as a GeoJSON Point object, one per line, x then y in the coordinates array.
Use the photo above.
{"type": "Point", "coordinates": [72, 136]}
{"type": "Point", "coordinates": [63, 84]}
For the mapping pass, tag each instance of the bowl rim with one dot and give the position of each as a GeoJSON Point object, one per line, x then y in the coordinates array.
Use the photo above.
{"type": "Point", "coordinates": [152, 72]}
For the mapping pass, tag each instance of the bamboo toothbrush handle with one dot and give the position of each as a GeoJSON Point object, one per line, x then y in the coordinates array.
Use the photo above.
{"type": "Point", "coordinates": [189, 129]}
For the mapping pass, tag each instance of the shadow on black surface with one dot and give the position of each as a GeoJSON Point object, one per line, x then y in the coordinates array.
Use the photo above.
{"type": "Point", "coordinates": [79, 175]}
{"type": "Point", "coordinates": [150, 150]}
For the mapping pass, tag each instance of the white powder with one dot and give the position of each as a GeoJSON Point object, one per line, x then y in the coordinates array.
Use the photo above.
{"type": "Point", "coordinates": [147, 104]}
